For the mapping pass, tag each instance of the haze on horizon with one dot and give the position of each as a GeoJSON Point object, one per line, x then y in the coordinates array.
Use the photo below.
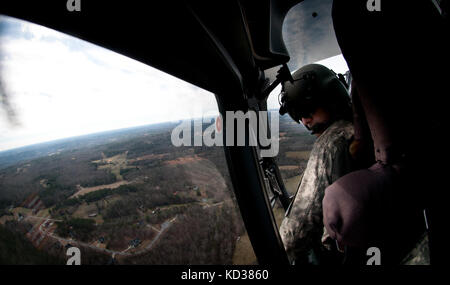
{"type": "Point", "coordinates": [60, 87]}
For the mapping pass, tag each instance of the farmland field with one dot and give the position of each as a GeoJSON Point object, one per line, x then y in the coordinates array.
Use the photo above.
{"type": "Point", "coordinates": [132, 197]}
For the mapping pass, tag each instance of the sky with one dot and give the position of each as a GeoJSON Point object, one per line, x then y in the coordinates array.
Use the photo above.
{"type": "Point", "coordinates": [336, 63]}
{"type": "Point", "coordinates": [60, 86]}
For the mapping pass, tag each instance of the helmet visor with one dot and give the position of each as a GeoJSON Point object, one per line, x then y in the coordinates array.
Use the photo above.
{"type": "Point", "coordinates": [303, 109]}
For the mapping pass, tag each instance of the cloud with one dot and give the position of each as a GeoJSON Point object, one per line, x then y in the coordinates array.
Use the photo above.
{"type": "Point", "coordinates": [61, 86]}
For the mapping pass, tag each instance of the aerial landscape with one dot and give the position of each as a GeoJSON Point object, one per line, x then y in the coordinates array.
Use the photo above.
{"type": "Point", "coordinates": [130, 197]}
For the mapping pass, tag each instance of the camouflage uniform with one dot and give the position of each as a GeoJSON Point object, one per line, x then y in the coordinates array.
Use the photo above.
{"type": "Point", "coordinates": [329, 159]}
{"type": "Point", "coordinates": [420, 255]}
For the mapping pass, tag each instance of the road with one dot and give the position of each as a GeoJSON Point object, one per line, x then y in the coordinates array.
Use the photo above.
{"type": "Point", "coordinates": [42, 218]}
{"type": "Point", "coordinates": [164, 227]}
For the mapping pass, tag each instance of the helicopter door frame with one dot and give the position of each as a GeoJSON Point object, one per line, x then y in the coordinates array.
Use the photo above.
{"type": "Point", "coordinates": [247, 178]}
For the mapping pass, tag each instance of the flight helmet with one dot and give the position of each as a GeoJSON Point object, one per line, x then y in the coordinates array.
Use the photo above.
{"type": "Point", "coordinates": [315, 86]}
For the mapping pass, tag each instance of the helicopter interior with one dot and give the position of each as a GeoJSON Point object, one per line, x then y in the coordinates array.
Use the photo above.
{"type": "Point", "coordinates": [236, 50]}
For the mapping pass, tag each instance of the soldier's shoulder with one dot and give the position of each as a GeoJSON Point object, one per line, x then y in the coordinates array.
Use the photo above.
{"type": "Point", "coordinates": [342, 128]}
{"type": "Point", "coordinates": [339, 132]}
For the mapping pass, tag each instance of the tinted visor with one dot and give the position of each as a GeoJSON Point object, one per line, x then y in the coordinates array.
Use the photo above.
{"type": "Point", "coordinates": [302, 110]}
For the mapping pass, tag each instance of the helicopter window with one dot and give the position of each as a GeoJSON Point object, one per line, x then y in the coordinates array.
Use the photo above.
{"type": "Point", "coordinates": [308, 35]}
{"type": "Point", "coordinates": [87, 159]}
{"type": "Point", "coordinates": [295, 146]}
{"type": "Point", "coordinates": [295, 140]}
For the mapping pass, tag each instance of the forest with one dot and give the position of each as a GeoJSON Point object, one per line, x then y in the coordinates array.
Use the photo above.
{"type": "Point", "coordinates": [130, 192]}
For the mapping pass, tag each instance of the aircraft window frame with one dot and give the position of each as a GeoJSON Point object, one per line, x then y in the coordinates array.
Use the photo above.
{"type": "Point", "coordinates": [109, 160]}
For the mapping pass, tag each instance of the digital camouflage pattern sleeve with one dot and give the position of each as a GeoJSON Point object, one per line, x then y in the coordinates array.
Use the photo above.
{"type": "Point", "coordinates": [420, 255]}
{"type": "Point", "coordinates": [329, 159]}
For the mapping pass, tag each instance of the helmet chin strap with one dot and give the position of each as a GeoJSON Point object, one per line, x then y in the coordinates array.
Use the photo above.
{"type": "Point", "coordinates": [319, 128]}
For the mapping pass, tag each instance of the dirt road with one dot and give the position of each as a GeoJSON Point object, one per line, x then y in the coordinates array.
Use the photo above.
{"type": "Point", "coordinates": [164, 227]}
